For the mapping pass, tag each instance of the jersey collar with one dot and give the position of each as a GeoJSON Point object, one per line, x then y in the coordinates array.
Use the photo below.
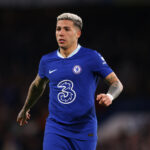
{"type": "Point", "coordinates": [72, 54]}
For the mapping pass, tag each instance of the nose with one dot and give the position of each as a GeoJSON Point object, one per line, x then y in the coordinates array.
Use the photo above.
{"type": "Point", "coordinates": [61, 32]}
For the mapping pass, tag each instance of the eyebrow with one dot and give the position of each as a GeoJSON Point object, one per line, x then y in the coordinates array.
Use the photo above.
{"type": "Point", "coordinates": [64, 26]}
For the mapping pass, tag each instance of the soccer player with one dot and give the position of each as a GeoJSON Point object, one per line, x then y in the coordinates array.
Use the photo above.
{"type": "Point", "coordinates": [72, 72]}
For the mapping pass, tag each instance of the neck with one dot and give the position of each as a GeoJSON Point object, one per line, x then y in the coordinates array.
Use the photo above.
{"type": "Point", "coordinates": [65, 52]}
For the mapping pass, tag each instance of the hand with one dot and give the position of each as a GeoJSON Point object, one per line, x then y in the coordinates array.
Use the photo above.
{"type": "Point", "coordinates": [23, 117]}
{"type": "Point", "coordinates": [104, 99]}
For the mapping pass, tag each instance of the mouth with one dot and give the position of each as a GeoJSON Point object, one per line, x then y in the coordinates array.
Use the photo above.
{"type": "Point", "coordinates": [61, 41]}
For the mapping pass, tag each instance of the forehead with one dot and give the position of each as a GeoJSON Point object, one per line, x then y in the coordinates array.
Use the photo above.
{"type": "Point", "coordinates": [67, 23]}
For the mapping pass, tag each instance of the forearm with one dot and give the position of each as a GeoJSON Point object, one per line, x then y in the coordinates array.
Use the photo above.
{"type": "Point", "coordinates": [33, 95]}
{"type": "Point", "coordinates": [115, 89]}
{"type": "Point", "coordinates": [115, 86]}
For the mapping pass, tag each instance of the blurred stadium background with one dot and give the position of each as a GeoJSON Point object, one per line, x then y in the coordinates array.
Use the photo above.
{"type": "Point", "coordinates": [119, 29]}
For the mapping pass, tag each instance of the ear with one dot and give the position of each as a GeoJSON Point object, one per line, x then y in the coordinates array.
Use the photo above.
{"type": "Point", "coordinates": [78, 33]}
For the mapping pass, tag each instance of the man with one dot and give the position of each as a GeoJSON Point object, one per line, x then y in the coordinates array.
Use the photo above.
{"type": "Point", "coordinates": [72, 72]}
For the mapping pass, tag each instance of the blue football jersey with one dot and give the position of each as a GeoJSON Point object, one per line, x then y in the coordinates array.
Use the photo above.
{"type": "Point", "coordinates": [72, 82]}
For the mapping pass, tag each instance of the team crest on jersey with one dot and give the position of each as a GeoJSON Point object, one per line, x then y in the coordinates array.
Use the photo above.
{"type": "Point", "coordinates": [77, 69]}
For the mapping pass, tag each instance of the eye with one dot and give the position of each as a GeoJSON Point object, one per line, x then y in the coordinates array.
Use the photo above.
{"type": "Point", "coordinates": [58, 28]}
{"type": "Point", "coordinates": [67, 28]}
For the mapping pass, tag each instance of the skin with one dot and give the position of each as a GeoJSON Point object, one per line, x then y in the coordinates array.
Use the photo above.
{"type": "Point", "coordinates": [67, 35]}
{"type": "Point", "coordinates": [115, 88]}
{"type": "Point", "coordinates": [36, 89]}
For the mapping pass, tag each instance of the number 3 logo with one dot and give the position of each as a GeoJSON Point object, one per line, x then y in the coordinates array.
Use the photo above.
{"type": "Point", "coordinates": [67, 94]}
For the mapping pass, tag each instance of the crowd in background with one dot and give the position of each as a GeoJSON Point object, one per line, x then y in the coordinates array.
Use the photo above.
{"type": "Point", "coordinates": [121, 35]}
{"type": "Point", "coordinates": [139, 140]}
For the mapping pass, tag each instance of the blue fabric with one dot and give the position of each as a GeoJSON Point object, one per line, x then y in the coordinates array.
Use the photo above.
{"type": "Point", "coordinates": [73, 82]}
{"type": "Point", "coordinates": [54, 141]}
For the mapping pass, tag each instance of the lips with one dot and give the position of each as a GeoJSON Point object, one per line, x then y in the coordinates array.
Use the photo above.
{"type": "Point", "coordinates": [61, 40]}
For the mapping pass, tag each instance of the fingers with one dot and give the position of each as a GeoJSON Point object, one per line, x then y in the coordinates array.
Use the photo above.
{"type": "Point", "coordinates": [23, 122]}
{"type": "Point", "coordinates": [100, 96]}
{"type": "Point", "coordinates": [104, 99]}
{"type": "Point", "coordinates": [28, 116]}
{"type": "Point", "coordinates": [23, 118]}
{"type": "Point", "coordinates": [20, 120]}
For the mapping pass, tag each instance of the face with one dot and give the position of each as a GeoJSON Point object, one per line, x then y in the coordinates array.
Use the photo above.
{"type": "Point", "coordinates": [67, 34]}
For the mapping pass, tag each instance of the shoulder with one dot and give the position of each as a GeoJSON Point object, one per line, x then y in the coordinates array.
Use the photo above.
{"type": "Point", "coordinates": [94, 57]}
{"type": "Point", "coordinates": [49, 56]}
{"type": "Point", "coordinates": [91, 52]}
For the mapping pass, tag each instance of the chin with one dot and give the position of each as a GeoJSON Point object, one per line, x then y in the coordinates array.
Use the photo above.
{"type": "Point", "coordinates": [62, 47]}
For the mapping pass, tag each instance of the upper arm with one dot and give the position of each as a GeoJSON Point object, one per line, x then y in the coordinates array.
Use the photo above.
{"type": "Point", "coordinates": [99, 65]}
{"type": "Point", "coordinates": [40, 82]}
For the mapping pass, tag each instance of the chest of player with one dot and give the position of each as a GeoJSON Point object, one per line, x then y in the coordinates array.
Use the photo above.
{"type": "Point", "coordinates": [72, 69]}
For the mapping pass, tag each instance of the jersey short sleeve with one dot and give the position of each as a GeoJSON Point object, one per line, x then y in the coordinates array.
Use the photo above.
{"type": "Point", "coordinates": [41, 70]}
{"type": "Point", "coordinates": [100, 66]}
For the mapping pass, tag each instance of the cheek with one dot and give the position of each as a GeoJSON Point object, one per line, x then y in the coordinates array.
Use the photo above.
{"type": "Point", "coordinates": [56, 35]}
{"type": "Point", "coordinates": [76, 35]}
{"type": "Point", "coordinates": [73, 37]}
